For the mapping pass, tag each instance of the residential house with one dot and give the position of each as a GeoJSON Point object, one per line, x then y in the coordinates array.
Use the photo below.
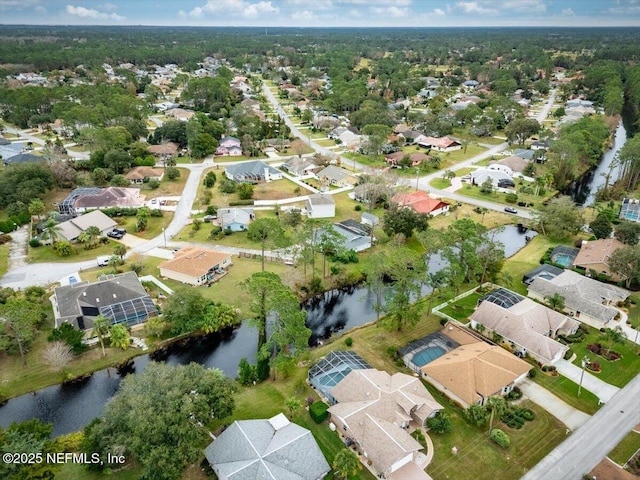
{"type": "Point", "coordinates": [440, 144]}
{"type": "Point", "coordinates": [514, 164]}
{"type": "Point", "coordinates": [498, 179]}
{"type": "Point", "coordinates": [71, 229]}
{"type": "Point", "coordinates": [594, 256]}
{"type": "Point", "coordinates": [529, 327]}
{"type": "Point", "coordinates": [525, 153]}
{"type": "Point", "coordinates": [138, 175]}
{"type": "Point", "coordinates": [541, 144]}
{"type": "Point", "coordinates": [375, 410]}
{"type": "Point", "coordinates": [350, 140]}
{"type": "Point", "coordinates": [120, 298]}
{"type": "Point", "coordinates": [470, 83]}
{"type": "Point", "coordinates": [164, 150]}
{"type": "Point", "coordinates": [336, 176]}
{"type": "Point", "coordinates": [229, 146]}
{"type": "Point", "coordinates": [544, 271]}
{"type": "Point", "coordinates": [321, 205]}
{"type": "Point", "coordinates": [196, 266]}
{"type": "Point", "coordinates": [256, 171]}
{"type": "Point", "coordinates": [585, 299]}
{"type": "Point", "coordinates": [408, 137]}
{"type": "Point", "coordinates": [235, 219]}
{"type": "Point", "coordinates": [473, 372]}
{"type": "Point", "coordinates": [357, 236]}
{"type": "Point", "coordinates": [22, 157]}
{"type": "Point", "coordinates": [300, 166]}
{"type": "Point", "coordinates": [367, 192]}
{"type": "Point", "coordinates": [91, 198]}
{"type": "Point", "coordinates": [276, 144]}
{"type": "Point", "coordinates": [630, 210]}
{"type": "Point", "coordinates": [370, 220]}
{"type": "Point", "coordinates": [180, 114]}
{"type": "Point", "coordinates": [331, 369]}
{"type": "Point", "coordinates": [421, 202]}
{"type": "Point", "coordinates": [415, 158]}
{"type": "Point", "coordinates": [271, 448]}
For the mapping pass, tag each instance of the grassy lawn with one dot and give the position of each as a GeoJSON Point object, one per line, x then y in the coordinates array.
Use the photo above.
{"type": "Point", "coordinates": [567, 390]}
{"type": "Point", "coordinates": [626, 448]}
{"type": "Point", "coordinates": [73, 471]}
{"type": "Point", "coordinates": [617, 373]}
{"type": "Point", "coordinates": [154, 225]}
{"type": "Point", "coordinates": [440, 183]}
{"type": "Point", "coordinates": [524, 261]}
{"type": "Point", "coordinates": [45, 253]}
{"type": "Point", "coordinates": [634, 311]}
{"type": "Point", "coordinates": [4, 259]}
{"type": "Point", "coordinates": [479, 458]}
{"type": "Point", "coordinates": [463, 308]}
{"type": "Point", "coordinates": [167, 187]}
{"type": "Point", "coordinates": [474, 192]}
{"type": "Point", "coordinates": [460, 155]}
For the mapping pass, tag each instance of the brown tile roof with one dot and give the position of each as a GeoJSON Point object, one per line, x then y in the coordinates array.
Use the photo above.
{"type": "Point", "coordinates": [140, 173]}
{"type": "Point", "coordinates": [476, 371]}
{"type": "Point", "coordinates": [111, 197]}
{"type": "Point", "coordinates": [597, 252]}
{"type": "Point", "coordinates": [370, 401]}
{"type": "Point", "coordinates": [169, 148]}
{"type": "Point", "coordinates": [194, 261]}
{"type": "Point", "coordinates": [419, 201]}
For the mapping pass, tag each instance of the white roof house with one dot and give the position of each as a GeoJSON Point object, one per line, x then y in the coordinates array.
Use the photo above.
{"type": "Point", "coordinates": [321, 205]}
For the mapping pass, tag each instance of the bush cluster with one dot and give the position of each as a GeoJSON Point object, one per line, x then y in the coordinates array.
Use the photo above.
{"type": "Point", "coordinates": [318, 411]}
{"type": "Point", "coordinates": [238, 203]}
{"type": "Point", "coordinates": [500, 438]}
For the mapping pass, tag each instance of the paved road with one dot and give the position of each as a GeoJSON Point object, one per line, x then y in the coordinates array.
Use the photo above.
{"type": "Point", "coordinates": [584, 449]}
{"type": "Point", "coordinates": [423, 182]}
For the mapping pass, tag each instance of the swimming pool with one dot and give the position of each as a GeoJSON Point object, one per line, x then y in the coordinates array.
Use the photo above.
{"type": "Point", "coordinates": [428, 355]}
{"type": "Point", "coordinates": [563, 259]}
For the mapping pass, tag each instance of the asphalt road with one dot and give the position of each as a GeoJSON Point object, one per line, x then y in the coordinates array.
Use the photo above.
{"type": "Point", "coordinates": [584, 449]}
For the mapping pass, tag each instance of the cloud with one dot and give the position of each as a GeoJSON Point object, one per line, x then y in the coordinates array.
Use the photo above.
{"type": "Point", "coordinates": [40, 10]}
{"type": "Point", "coordinates": [529, 6]}
{"type": "Point", "coordinates": [388, 3]}
{"type": "Point", "coordinates": [17, 4]}
{"type": "Point", "coordinates": [438, 12]}
{"type": "Point", "coordinates": [244, 8]}
{"type": "Point", "coordinates": [475, 8]}
{"type": "Point", "coordinates": [108, 7]}
{"type": "Point", "coordinates": [93, 14]}
{"type": "Point", "coordinates": [568, 12]}
{"type": "Point", "coordinates": [393, 11]}
{"type": "Point", "coordinates": [303, 15]}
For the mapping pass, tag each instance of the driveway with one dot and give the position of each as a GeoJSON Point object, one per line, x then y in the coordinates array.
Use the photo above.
{"type": "Point", "coordinates": [564, 412]}
{"type": "Point", "coordinates": [18, 247]}
{"type": "Point", "coordinates": [584, 449]}
{"type": "Point", "coordinates": [590, 382]}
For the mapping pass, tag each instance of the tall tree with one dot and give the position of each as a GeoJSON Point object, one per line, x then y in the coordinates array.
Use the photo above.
{"type": "Point", "coordinates": [19, 320]}
{"type": "Point", "coordinates": [401, 306]}
{"type": "Point", "coordinates": [520, 129]}
{"type": "Point", "coordinates": [266, 231]}
{"type": "Point", "coordinates": [346, 464]}
{"type": "Point", "coordinates": [263, 288]}
{"type": "Point", "coordinates": [160, 417]}
{"type": "Point", "coordinates": [625, 262]}
{"type": "Point", "coordinates": [100, 329]}
{"type": "Point", "coordinates": [560, 219]}
{"type": "Point", "coordinates": [498, 407]}
{"type": "Point", "coordinates": [185, 309]}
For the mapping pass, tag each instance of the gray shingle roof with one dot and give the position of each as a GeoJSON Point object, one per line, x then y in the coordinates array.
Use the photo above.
{"type": "Point", "coordinates": [250, 170]}
{"type": "Point", "coordinates": [269, 449]}
{"type": "Point", "coordinates": [321, 199]}
{"type": "Point", "coordinates": [581, 294]}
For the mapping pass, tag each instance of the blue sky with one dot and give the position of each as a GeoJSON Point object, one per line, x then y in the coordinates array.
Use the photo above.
{"type": "Point", "coordinates": [324, 13]}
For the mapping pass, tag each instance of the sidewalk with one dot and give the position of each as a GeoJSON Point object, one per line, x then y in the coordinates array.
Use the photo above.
{"type": "Point", "coordinates": [571, 417]}
{"type": "Point", "coordinates": [590, 382]}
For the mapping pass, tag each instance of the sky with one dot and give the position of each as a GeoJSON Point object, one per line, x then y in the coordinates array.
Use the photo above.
{"type": "Point", "coordinates": [324, 13]}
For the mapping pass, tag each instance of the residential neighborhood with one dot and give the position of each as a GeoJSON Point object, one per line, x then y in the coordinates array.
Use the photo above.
{"type": "Point", "coordinates": [330, 252]}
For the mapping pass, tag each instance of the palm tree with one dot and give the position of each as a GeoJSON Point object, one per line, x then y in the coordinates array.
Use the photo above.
{"type": "Point", "coordinates": [497, 405]}
{"type": "Point", "coordinates": [120, 250]}
{"type": "Point", "coordinates": [614, 335]}
{"type": "Point", "coordinates": [120, 336]}
{"type": "Point", "coordinates": [93, 233]}
{"type": "Point", "coordinates": [293, 404]}
{"type": "Point", "coordinates": [52, 231]}
{"type": "Point", "coordinates": [346, 464]}
{"type": "Point", "coordinates": [556, 301]}
{"type": "Point", "coordinates": [100, 329]}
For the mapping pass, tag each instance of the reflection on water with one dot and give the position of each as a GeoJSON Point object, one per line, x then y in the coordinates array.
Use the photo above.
{"type": "Point", "coordinates": [71, 407]}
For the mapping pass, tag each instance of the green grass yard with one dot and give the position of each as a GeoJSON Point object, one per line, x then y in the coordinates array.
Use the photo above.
{"type": "Point", "coordinates": [524, 261]}
{"type": "Point", "coordinates": [4, 259]}
{"type": "Point", "coordinates": [567, 391]}
{"type": "Point", "coordinates": [45, 253]}
{"type": "Point", "coordinates": [618, 372]}
{"type": "Point", "coordinates": [463, 308]}
{"type": "Point", "coordinates": [626, 448]}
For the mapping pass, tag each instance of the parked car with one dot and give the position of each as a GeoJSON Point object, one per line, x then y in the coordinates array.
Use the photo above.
{"type": "Point", "coordinates": [115, 234]}
{"type": "Point", "coordinates": [510, 210]}
{"type": "Point", "coordinates": [121, 231]}
{"type": "Point", "coordinates": [103, 261]}
{"type": "Point", "coordinates": [72, 280]}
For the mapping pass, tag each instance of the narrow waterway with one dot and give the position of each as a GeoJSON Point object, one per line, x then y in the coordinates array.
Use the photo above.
{"type": "Point", "coordinates": [71, 407]}
{"type": "Point", "coordinates": [583, 190]}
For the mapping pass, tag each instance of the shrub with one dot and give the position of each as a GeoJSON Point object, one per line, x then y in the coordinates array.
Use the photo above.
{"type": "Point", "coordinates": [500, 438]}
{"type": "Point", "coordinates": [62, 248]}
{"type": "Point", "coordinates": [244, 191]}
{"type": "Point", "coordinates": [211, 210]}
{"type": "Point", "coordinates": [513, 420]}
{"type": "Point", "coordinates": [440, 423]}
{"type": "Point", "coordinates": [532, 373]}
{"type": "Point", "coordinates": [568, 354]}
{"type": "Point", "coordinates": [511, 198]}
{"type": "Point", "coordinates": [515, 394]}
{"type": "Point", "coordinates": [318, 411]}
{"type": "Point", "coordinates": [238, 203]}
{"type": "Point", "coordinates": [358, 208]}
{"type": "Point", "coordinates": [247, 373]}
{"type": "Point", "coordinates": [69, 335]}
{"type": "Point", "coordinates": [392, 351]}
{"type": "Point", "coordinates": [348, 341]}
{"type": "Point", "coordinates": [153, 184]}
{"type": "Point", "coordinates": [227, 186]}
{"type": "Point", "coordinates": [172, 173]}
{"type": "Point", "coordinates": [34, 242]}
{"type": "Point", "coordinates": [527, 414]}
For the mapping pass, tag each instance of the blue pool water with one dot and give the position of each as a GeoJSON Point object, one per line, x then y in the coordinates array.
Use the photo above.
{"type": "Point", "coordinates": [427, 355]}
{"type": "Point", "coordinates": [563, 259]}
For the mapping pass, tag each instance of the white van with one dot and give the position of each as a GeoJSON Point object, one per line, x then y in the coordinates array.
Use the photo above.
{"type": "Point", "coordinates": [103, 261]}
